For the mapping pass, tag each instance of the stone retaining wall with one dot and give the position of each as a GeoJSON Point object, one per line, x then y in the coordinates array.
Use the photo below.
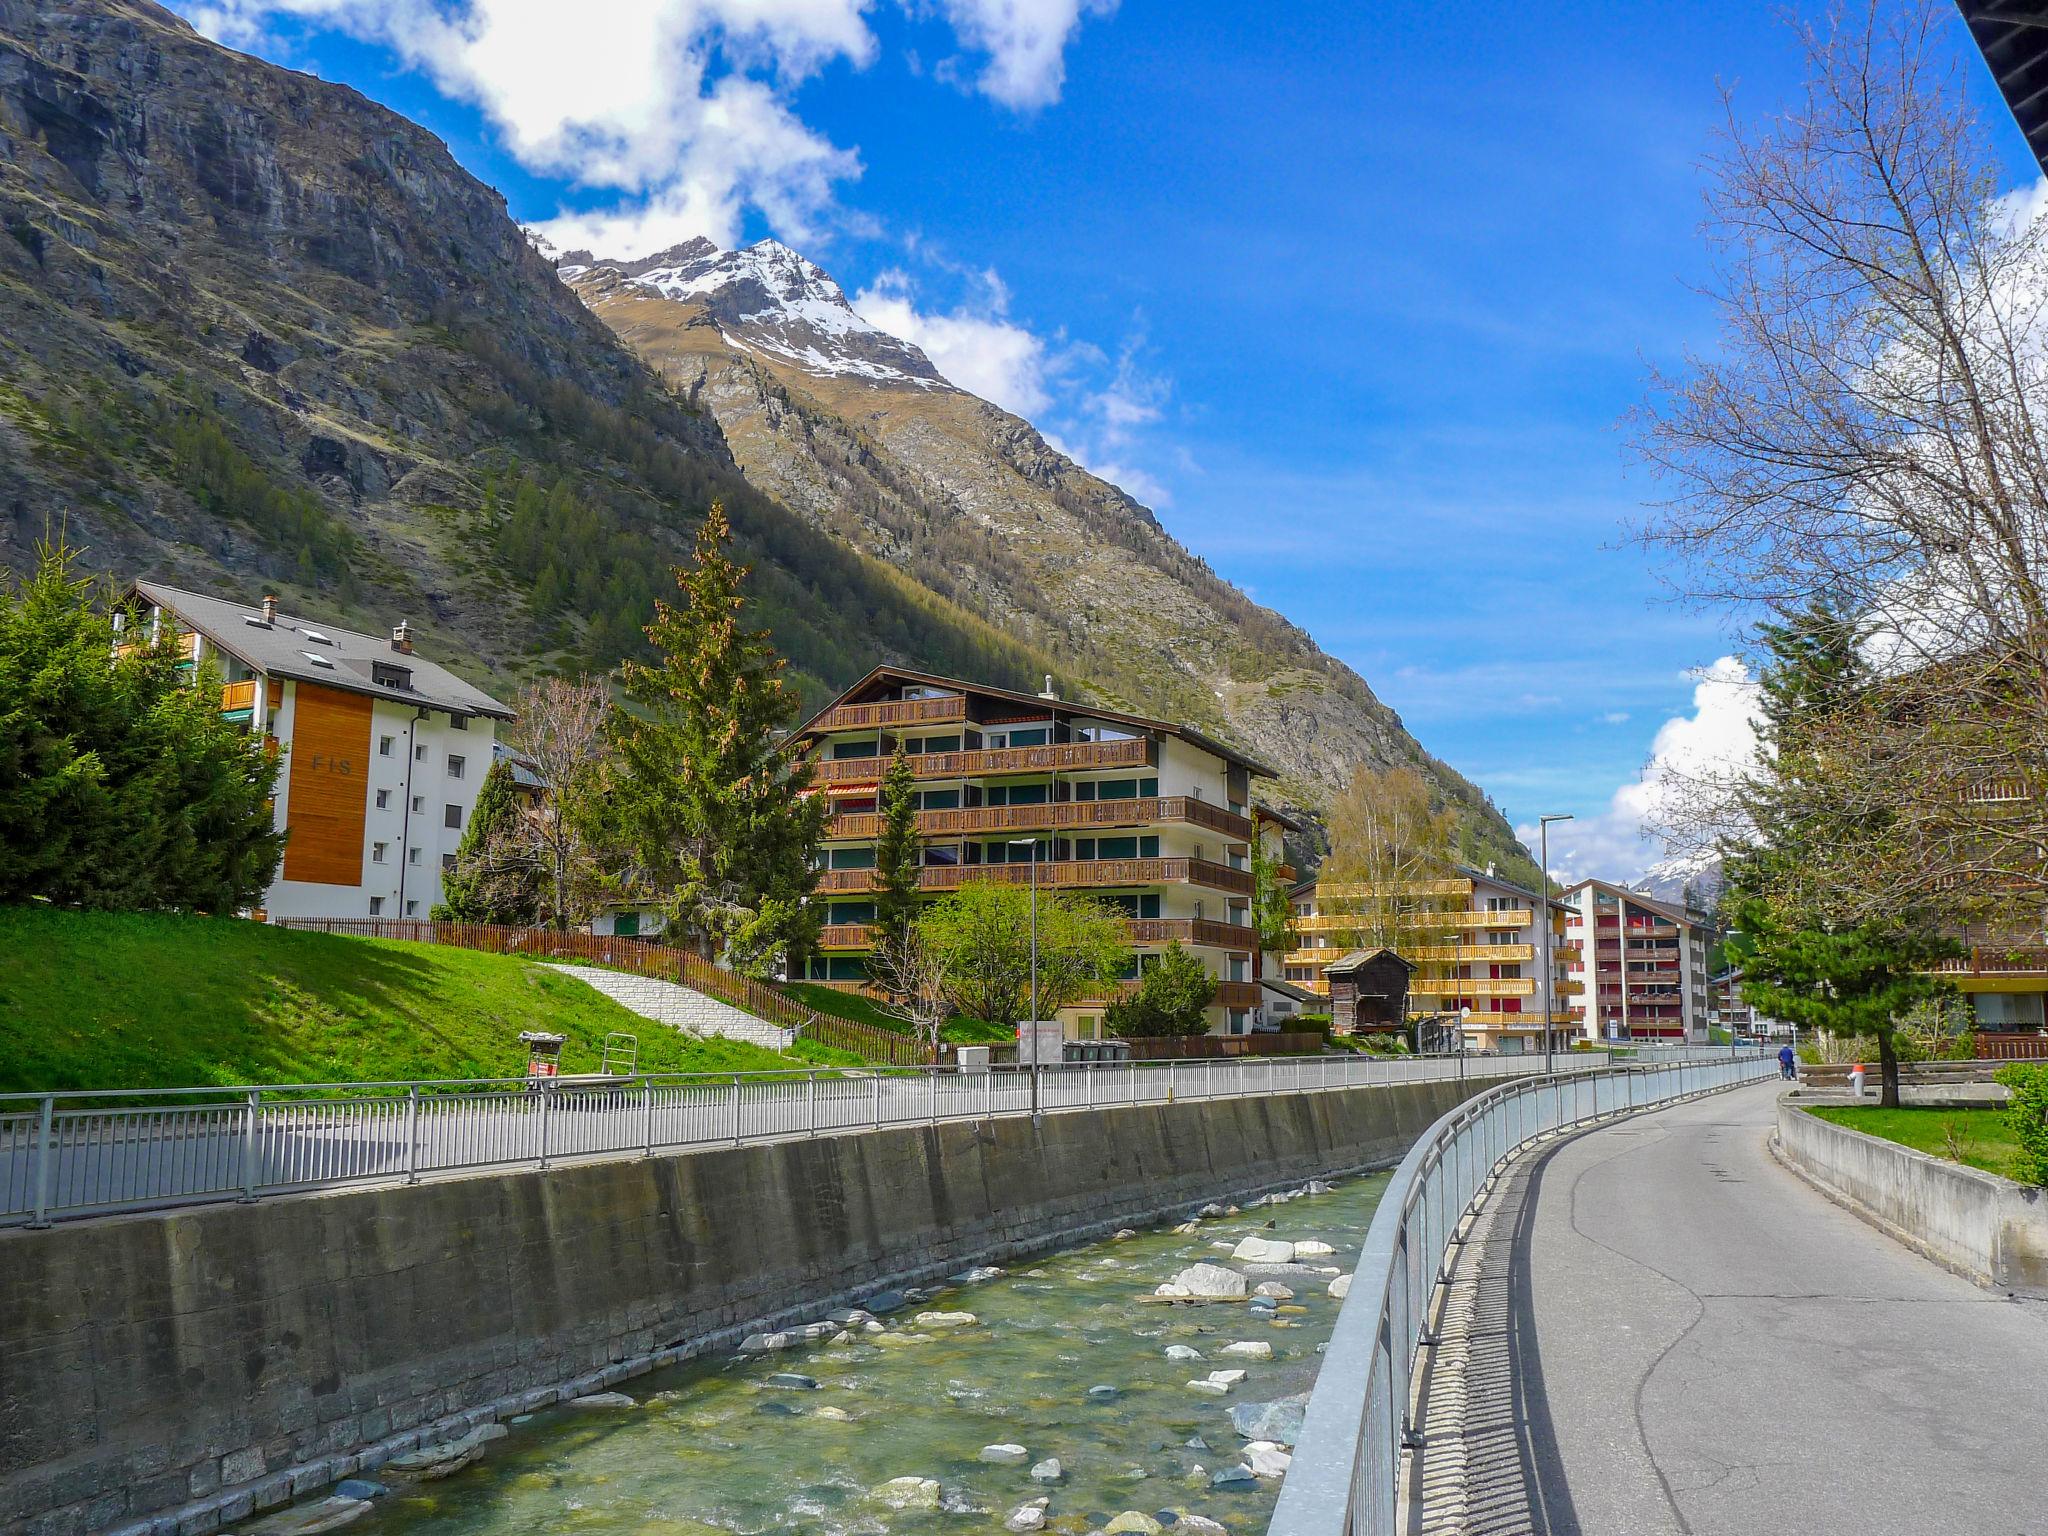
{"type": "Point", "coordinates": [1989, 1229]}
{"type": "Point", "coordinates": [175, 1370]}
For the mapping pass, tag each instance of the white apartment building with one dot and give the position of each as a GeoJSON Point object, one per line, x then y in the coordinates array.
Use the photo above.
{"type": "Point", "coordinates": [1643, 963]}
{"type": "Point", "coordinates": [384, 751]}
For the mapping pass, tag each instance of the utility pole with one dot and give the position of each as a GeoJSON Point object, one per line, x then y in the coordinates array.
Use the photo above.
{"type": "Point", "coordinates": [1543, 925]}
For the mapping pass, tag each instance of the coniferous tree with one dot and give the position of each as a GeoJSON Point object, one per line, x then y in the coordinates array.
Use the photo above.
{"type": "Point", "coordinates": [715, 809]}
{"type": "Point", "coordinates": [1804, 964]}
{"type": "Point", "coordinates": [122, 785]}
{"type": "Point", "coordinates": [1172, 999]}
{"type": "Point", "coordinates": [899, 852]}
{"type": "Point", "coordinates": [495, 879]}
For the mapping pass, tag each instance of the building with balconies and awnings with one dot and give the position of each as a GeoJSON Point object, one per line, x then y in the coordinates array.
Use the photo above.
{"type": "Point", "coordinates": [1152, 818]}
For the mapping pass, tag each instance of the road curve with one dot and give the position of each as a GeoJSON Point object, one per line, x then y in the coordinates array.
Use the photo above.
{"type": "Point", "coordinates": [1664, 1331]}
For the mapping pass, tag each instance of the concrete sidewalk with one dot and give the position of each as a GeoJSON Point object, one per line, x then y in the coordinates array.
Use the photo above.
{"type": "Point", "coordinates": [1663, 1331]}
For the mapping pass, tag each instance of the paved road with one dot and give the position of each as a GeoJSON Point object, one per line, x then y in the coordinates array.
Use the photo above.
{"type": "Point", "coordinates": [1665, 1331]}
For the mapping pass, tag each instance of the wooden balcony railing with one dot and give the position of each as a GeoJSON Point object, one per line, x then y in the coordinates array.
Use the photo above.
{"type": "Point", "coordinates": [1353, 890]}
{"type": "Point", "coordinates": [1473, 986]}
{"type": "Point", "coordinates": [234, 696]}
{"type": "Point", "coordinates": [1470, 954]}
{"type": "Point", "coordinates": [1069, 815]}
{"type": "Point", "coordinates": [1417, 922]}
{"type": "Point", "coordinates": [854, 717]}
{"type": "Point", "coordinates": [184, 646]}
{"type": "Point", "coordinates": [1060, 875]}
{"type": "Point", "coordinates": [834, 773]}
{"type": "Point", "coordinates": [846, 936]}
{"type": "Point", "coordinates": [1998, 960]}
{"type": "Point", "coordinates": [1198, 931]}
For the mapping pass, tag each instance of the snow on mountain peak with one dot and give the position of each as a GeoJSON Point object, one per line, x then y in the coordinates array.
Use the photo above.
{"type": "Point", "coordinates": [766, 298]}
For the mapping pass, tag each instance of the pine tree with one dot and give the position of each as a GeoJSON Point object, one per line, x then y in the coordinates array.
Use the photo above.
{"type": "Point", "coordinates": [1172, 999]}
{"type": "Point", "coordinates": [716, 810]}
{"type": "Point", "coordinates": [1803, 966]}
{"type": "Point", "coordinates": [899, 852]}
{"type": "Point", "coordinates": [494, 880]}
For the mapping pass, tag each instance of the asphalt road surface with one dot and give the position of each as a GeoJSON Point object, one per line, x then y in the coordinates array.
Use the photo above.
{"type": "Point", "coordinates": [1667, 1332]}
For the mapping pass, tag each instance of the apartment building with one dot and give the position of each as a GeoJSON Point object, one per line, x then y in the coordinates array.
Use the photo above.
{"type": "Point", "coordinates": [1642, 965]}
{"type": "Point", "coordinates": [384, 750]}
{"type": "Point", "coordinates": [1473, 940]}
{"type": "Point", "coordinates": [1152, 818]}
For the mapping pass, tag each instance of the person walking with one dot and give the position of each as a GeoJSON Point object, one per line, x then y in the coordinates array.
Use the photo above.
{"type": "Point", "coordinates": [1785, 1067]}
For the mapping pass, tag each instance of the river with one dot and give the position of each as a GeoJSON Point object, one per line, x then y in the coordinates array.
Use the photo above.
{"type": "Point", "coordinates": [717, 1448]}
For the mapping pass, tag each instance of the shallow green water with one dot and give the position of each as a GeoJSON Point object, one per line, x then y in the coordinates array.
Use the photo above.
{"type": "Point", "coordinates": [712, 1450]}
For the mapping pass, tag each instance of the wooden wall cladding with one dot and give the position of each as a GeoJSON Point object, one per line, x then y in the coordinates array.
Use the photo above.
{"type": "Point", "coordinates": [329, 786]}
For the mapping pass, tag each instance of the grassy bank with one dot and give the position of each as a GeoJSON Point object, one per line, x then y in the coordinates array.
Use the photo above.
{"type": "Point", "coordinates": [1981, 1138]}
{"type": "Point", "coordinates": [858, 1009]}
{"type": "Point", "coordinates": [122, 1000]}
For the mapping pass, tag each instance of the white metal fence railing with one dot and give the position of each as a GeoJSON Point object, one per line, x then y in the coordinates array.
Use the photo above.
{"type": "Point", "coordinates": [82, 1154]}
{"type": "Point", "coordinates": [1346, 1476]}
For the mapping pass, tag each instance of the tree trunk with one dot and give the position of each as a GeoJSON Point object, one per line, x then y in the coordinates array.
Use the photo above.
{"type": "Point", "coordinates": [1888, 1070]}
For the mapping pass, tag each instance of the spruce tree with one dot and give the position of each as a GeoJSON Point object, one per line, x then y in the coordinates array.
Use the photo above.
{"type": "Point", "coordinates": [1803, 964]}
{"type": "Point", "coordinates": [494, 880]}
{"type": "Point", "coordinates": [899, 852]}
{"type": "Point", "coordinates": [715, 808]}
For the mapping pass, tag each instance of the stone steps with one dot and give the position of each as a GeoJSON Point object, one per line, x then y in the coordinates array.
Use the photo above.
{"type": "Point", "coordinates": [680, 1007]}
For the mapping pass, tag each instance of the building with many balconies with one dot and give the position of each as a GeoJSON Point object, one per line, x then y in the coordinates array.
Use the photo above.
{"type": "Point", "coordinates": [1641, 963]}
{"type": "Point", "coordinates": [1152, 818]}
{"type": "Point", "coordinates": [384, 750]}
{"type": "Point", "coordinates": [1472, 938]}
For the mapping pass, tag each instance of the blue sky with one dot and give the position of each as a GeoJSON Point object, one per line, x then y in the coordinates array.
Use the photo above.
{"type": "Point", "coordinates": [1356, 294]}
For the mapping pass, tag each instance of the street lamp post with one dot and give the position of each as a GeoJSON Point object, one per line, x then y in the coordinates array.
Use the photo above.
{"type": "Point", "coordinates": [1036, 1043]}
{"type": "Point", "coordinates": [1543, 839]}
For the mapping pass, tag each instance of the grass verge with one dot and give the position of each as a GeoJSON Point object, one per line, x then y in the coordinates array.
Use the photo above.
{"type": "Point", "coordinates": [135, 1000]}
{"type": "Point", "coordinates": [1978, 1138]}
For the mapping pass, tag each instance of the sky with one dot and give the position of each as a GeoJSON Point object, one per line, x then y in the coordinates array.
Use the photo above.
{"type": "Point", "coordinates": [1358, 296]}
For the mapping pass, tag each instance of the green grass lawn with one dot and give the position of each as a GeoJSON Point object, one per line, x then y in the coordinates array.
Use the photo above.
{"type": "Point", "coordinates": [1981, 1134]}
{"type": "Point", "coordinates": [865, 1010]}
{"type": "Point", "coordinates": [130, 1000]}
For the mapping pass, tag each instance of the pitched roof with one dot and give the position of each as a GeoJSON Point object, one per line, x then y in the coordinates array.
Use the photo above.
{"type": "Point", "coordinates": [1287, 989]}
{"type": "Point", "coordinates": [1037, 702]}
{"type": "Point", "coordinates": [1674, 910]}
{"type": "Point", "coordinates": [1357, 959]}
{"type": "Point", "coordinates": [309, 651]}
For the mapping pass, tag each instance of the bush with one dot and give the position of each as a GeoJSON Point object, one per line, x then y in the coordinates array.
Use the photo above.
{"type": "Point", "coordinates": [2026, 1115]}
{"type": "Point", "coordinates": [1172, 1000]}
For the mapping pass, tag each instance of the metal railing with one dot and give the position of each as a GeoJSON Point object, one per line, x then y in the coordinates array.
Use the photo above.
{"type": "Point", "coordinates": [1346, 1475]}
{"type": "Point", "coordinates": [68, 1155]}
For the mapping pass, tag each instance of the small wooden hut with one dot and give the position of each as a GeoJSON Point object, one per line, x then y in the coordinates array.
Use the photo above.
{"type": "Point", "coordinates": [1368, 991]}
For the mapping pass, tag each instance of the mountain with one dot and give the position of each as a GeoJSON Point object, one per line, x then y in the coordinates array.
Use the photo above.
{"type": "Point", "coordinates": [855, 428]}
{"type": "Point", "coordinates": [257, 331]}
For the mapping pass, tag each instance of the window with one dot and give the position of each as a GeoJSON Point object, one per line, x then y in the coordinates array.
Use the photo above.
{"type": "Point", "coordinates": [458, 722]}
{"type": "Point", "coordinates": [384, 799]}
{"type": "Point", "coordinates": [939, 800]}
{"type": "Point", "coordinates": [385, 744]}
{"type": "Point", "coordinates": [1031, 738]}
{"type": "Point", "coordinates": [942, 743]}
{"type": "Point", "coordinates": [843, 750]}
{"type": "Point", "coordinates": [377, 852]}
{"type": "Point", "coordinates": [385, 675]}
{"type": "Point", "coordinates": [451, 816]}
{"type": "Point", "coordinates": [376, 906]}
{"type": "Point", "coordinates": [412, 909]}
{"type": "Point", "coordinates": [419, 753]}
{"type": "Point", "coordinates": [456, 765]}
{"type": "Point", "coordinates": [448, 863]}
{"type": "Point", "coordinates": [412, 855]}
{"type": "Point", "coordinates": [1118, 789]}
{"type": "Point", "coordinates": [419, 805]}
{"type": "Point", "coordinates": [853, 858]}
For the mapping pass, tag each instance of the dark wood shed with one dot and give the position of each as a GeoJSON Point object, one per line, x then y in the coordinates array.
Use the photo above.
{"type": "Point", "coordinates": [1369, 991]}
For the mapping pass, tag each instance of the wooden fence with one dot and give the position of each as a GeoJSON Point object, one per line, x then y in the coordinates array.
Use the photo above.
{"type": "Point", "coordinates": [1191, 1047]}
{"type": "Point", "coordinates": [1994, 1047]}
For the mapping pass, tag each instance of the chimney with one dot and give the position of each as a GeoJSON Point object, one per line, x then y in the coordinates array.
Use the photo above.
{"type": "Point", "coordinates": [270, 607]}
{"type": "Point", "coordinates": [1047, 691]}
{"type": "Point", "coordinates": [401, 638]}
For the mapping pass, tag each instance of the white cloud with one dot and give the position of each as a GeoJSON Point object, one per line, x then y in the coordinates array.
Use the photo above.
{"type": "Point", "coordinates": [683, 106]}
{"type": "Point", "coordinates": [1026, 44]}
{"type": "Point", "coordinates": [1615, 717]}
{"type": "Point", "coordinates": [1717, 739]}
{"type": "Point", "coordinates": [978, 348]}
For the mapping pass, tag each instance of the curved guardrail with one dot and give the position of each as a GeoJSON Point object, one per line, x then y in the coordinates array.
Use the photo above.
{"type": "Point", "coordinates": [1346, 1476]}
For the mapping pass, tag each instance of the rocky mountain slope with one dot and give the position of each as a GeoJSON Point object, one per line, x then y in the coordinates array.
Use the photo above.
{"type": "Point", "coordinates": [857, 430]}
{"type": "Point", "coordinates": [257, 332]}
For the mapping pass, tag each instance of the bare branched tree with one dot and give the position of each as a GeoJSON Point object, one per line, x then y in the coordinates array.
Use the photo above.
{"type": "Point", "coordinates": [560, 731]}
{"type": "Point", "coordinates": [1871, 434]}
{"type": "Point", "coordinates": [1391, 850]}
{"type": "Point", "coordinates": [911, 970]}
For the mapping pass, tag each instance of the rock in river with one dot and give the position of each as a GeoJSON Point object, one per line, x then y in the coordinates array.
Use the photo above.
{"type": "Point", "coordinates": [1048, 1471]}
{"type": "Point", "coordinates": [1267, 1459]}
{"type": "Point", "coordinates": [1182, 1352]}
{"type": "Point", "coordinates": [1008, 1454]}
{"type": "Point", "coordinates": [1250, 1349]}
{"type": "Point", "coordinates": [1273, 1289]}
{"type": "Point", "coordinates": [945, 1320]}
{"type": "Point", "coordinates": [907, 1493]}
{"type": "Point", "coordinates": [1211, 1282]}
{"type": "Point", "coordinates": [1264, 1250]}
{"type": "Point", "coordinates": [1027, 1517]}
{"type": "Point", "coordinates": [1341, 1287]}
{"type": "Point", "coordinates": [1233, 1477]}
{"type": "Point", "coordinates": [792, 1381]}
{"type": "Point", "coordinates": [326, 1514]}
{"type": "Point", "coordinates": [1133, 1522]}
{"type": "Point", "coordinates": [1278, 1421]}
{"type": "Point", "coordinates": [1313, 1250]}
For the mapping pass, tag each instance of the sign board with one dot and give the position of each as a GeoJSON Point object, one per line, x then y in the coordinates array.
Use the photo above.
{"type": "Point", "coordinates": [1040, 1042]}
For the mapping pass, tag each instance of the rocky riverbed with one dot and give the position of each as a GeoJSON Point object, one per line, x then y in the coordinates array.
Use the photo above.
{"type": "Point", "coordinates": [1089, 1391]}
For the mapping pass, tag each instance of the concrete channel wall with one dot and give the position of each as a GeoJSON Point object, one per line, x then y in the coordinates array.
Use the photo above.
{"type": "Point", "coordinates": [1987, 1228]}
{"type": "Point", "coordinates": [175, 1370]}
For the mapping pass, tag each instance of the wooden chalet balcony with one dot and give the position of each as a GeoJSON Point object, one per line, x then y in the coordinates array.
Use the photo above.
{"type": "Point", "coordinates": [1067, 815]}
{"type": "Point", "coordinates": [835, 773]}
{"type": "Point", "coordinates": [1063, 874]}
{"type": "Point", "coordinates": [1418, 922]}
{"type": "Point", "coordinates": [1353, 890]}
{"type": "Point", "coordinates": [185, 646]}
{"type": "Point", "coordinates": [1198, 932]}
{"type": "Point", "coordinates": [855, 717]}
{"type": "Point", "coordinates": [2011, 961]}
{"type": "Point", "coordinates": [234, 696]}
{"type": "Point", "coordinates": [1471, 954]}
{"type": "Point", "coordinates": [1999, 792]}
{"type": "Point", "coordinates": [1474, 986]}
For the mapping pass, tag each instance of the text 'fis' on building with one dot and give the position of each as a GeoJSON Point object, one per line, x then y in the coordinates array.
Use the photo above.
{"type": "Point", "coordinates": [1643, 963]}
{"type": "Point", "coordinates": [1472, 940]}
{"type": "Point", "coordinates": [1151, 818]}
{"type": "Point", "coordinates": [384, 751]}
